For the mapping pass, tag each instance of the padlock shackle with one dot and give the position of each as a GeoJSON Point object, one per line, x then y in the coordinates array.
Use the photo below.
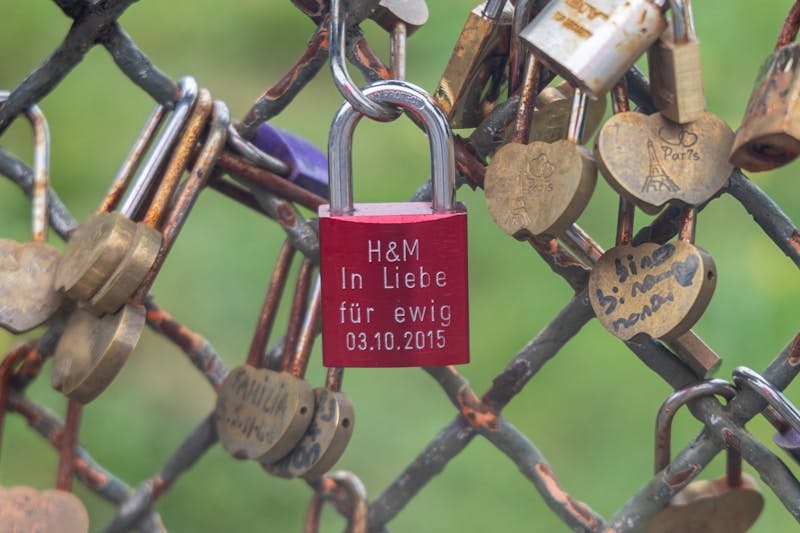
{"type": "Point", "coordinates": [188, 91]}
{"type": "Point", "coordinates": [421, 107]}
{"type": "Point", "coordinates": [577, 116]}
{"type": "Point", "coordinates": [41, 169]}
{"type": "Point", "coordinates": [675, 401]}
{"type": "Point", "coordinates": [746, 377]}
{"type": "Point", "coordinates": [341, 77]}
{"type": "Point", "coordinates": [682, 20]}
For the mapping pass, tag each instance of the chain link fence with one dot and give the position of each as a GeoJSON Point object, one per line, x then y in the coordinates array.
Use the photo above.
{"type": "Point", "coordinates": [476, 413]}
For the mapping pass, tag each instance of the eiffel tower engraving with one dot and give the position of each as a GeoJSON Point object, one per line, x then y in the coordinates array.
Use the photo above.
{"type": "Point", "coordinates": [657, 180]}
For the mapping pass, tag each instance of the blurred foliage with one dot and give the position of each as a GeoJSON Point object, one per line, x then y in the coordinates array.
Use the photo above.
{"type": "Point", "coordinates": [590, 410]}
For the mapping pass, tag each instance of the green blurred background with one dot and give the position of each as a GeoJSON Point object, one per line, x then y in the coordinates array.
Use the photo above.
{"type": "Point", "coordinates": [590, 410]}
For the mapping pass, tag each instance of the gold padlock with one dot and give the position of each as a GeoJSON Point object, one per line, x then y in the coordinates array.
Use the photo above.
{"type": "Point", "coordinates": [769, 136]}
{"type": "Point", "coordinates": [477, 63]}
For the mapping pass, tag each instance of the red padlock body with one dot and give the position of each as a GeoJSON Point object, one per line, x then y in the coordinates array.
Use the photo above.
{"type": "Point", "coordinates": [394, 286]}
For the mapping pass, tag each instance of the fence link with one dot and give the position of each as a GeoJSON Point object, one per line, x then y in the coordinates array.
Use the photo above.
{"type": "Point", "coordinates": [477, 413]}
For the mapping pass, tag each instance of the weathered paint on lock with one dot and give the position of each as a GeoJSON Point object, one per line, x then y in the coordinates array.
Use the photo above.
{"type": "Point", "coordinates": [769, 136]}
{"type": "Point", "coordinates": [394, 275]}
{"type": "Point", "coordinates": [394, 290]}
{"type": "Point", "coordinates": [592, 43]}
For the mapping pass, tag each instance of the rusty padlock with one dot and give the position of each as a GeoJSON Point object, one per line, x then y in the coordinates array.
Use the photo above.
{"type": "Point", "coordinates": [394, 275]}
{"type": "Point", "coordinates": [28, 297]}
{"type": "Point", "coordinates": [475, 71]}
{"type": "Point", "coordinates": [730, 504]}
{"type": "Point", "coordinates": [769, 136]}
{"type": "Point", "coordinates": [592, 45]}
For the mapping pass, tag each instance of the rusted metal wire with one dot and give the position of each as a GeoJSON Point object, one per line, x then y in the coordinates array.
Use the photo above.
{"type": "Point", "coordinates": [96, 23]}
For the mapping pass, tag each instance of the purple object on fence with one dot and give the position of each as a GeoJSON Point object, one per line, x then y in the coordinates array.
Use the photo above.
{"type": "Point", "coordinates": [308, 165]}
{"type": "Point", "coordinates": [789, 440]}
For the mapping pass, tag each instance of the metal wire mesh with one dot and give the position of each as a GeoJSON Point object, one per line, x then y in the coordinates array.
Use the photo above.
{"type": "Point", "coordinates": [95, 23]}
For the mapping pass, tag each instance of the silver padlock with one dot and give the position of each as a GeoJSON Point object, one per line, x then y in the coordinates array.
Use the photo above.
{"type": "Point", "coordinates": [592, 44]}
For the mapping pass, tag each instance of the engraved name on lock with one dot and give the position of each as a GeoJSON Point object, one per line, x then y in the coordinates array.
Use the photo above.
{"type": "Point", "coordinates": [394, 275]}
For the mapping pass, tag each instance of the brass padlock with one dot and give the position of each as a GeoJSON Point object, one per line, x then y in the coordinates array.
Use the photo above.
{"type": "Point", "coordinates": [332, 425]}
{"type": "Point", "coordinates": [730, 504]}
{"type": "Point", "coordinates": [475, 71]}
{"type": "Point", "coordinates": [93, 349]}
{"type": "Point", "coordinates": [28, 297]}
{"type": "Point", "coordinates": [540, 189]}
{"type": "Point", "coordinates": [769, 136]}
{"type": "Point", "coordinates": [261, 414]}
{"type": "Point", "coordinates": [676, 78]}
{"type": "Point", "coordinates": [99, 244]}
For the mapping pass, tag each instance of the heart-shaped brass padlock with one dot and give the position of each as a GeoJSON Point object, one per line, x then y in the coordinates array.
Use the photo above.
{"type": "Point", "coordinates": [26, 284]}
{"type": "Point", "coordinates": [92, 350]}
{"type": "Point", "coordinates": [26, 509]}
{"type": "Point", "coordinates": [652, 160]}
{"type": "Point", "coordinates": [711, 506]}
{"type": "Point", "coordinates": [539, 188]}
{"type": "Point", "coordinates": [28, 297]}
{"type": "Point", "coordinates": [656, 290]}
{"type": "Point", "coordinates": [262, 413]}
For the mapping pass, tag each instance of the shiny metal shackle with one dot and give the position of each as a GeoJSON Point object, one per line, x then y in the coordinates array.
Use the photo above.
{"type": "Point", "coordinates": [745, 377]}
{"type": "Point", "coordinates": [342, 79]}
{"type": "Point", "coordinates": [41, 168]}
{"type": "Point", "coordinates": [420, 106]}
{"type": "Point", "coordinates": [682, 20]}
{"type": "Point", "coordinates": [188, 91]}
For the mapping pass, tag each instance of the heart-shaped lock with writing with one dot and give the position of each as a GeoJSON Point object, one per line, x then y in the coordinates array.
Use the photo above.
{"type": "Point", "coordinates": [652, 160]}
{"type": "Point", "coordinates": [28, 297]}
{"type": "Point", "coordinates": [730, 504]}
{"type": "Point", "coordinates": [653, 290]}
{"type": "Point", "coordinates": [93, 349]}
{"type": "Point", "coordinates": [769, 136]}
{"type": "Point", "coordinates": [24, 509]}
{"type": "Point", "coordinates": [542, 188]}
{"type": "Point", "coordinates": [261, 414]}
{"type": "Point", "coordinates": [394, 275]}
{"type": "Point", "coordinates": [332, 426]}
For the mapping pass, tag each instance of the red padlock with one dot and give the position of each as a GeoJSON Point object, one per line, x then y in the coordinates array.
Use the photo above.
{"type": "Point", "coordinates": [394, 275]}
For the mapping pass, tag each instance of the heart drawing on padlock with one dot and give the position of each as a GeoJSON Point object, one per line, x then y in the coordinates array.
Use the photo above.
{"type": "Point", "coordinates": [652, 160]}
{"type": "Point", "coordinates": [538, 188]}
{"type": "Point", "coordinates": [655, 290]}
{"type": "Point", "coordinates": [27, 509]}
